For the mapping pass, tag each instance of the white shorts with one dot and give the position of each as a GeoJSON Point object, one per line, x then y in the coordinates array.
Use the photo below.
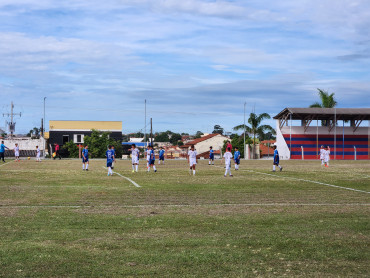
{"type": "Point", "coordinates": [192, 162]}
{"type": "Point", "coordinates": [227, 166]}
{"type": "Point", "coordinates": [135, 161]}
{"type": "Point", "coordinates": [321, 157]}
{"type": "Point", "coordinates": [38, 155]}
{"type": "Point", "coordinates": [16, 154]}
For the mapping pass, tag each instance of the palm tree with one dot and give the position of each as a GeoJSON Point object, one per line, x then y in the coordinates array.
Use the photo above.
{"type": "Point", "coordinates": [255, 126]}
{"type": "Point", "coordinates": [327, 101]}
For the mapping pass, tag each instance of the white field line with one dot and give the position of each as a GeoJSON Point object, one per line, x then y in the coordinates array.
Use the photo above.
{"type": "Point", "coordinates": [317, 182]}
{"type": "Point", "coordinates": [188, 205]}
{"type": "Point", "coordinates": [6, 163]}
{"type": "Point", "coordinates": [130, 180]}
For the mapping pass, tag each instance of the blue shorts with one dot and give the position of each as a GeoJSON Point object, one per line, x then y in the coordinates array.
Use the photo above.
{"type": "Point", "coordinates": [237, 161]}
{"type": "Point", "coordinates": [161, 158]}
{"type": "Point", "coordinates": [109, 163]}
{"type": "Point", "coordinates": [211, 157]}
{"type": "Point", "coordinates": [151, 162]}
{"type": "Point", "coordinates": [276, 161]}
{"type": "Point", "coordinates": [85, 159]}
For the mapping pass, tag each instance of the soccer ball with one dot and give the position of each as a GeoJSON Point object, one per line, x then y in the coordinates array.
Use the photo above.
{"type": "Point", "coordinates": [28, 158]}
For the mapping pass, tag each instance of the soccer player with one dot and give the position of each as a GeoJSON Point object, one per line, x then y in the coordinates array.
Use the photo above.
{"type": "Point", "coordinates": [85, 158]}
{"type": "Point", "coordinates": [327, 156]}
{"type": "Point", "coordinates": [192, 159]}
{"type": "Point", "coordinates": [38, 159]}
{"type": "Point", "coordinates": [147, 157]}
{"type": "Point", "coordinates": [135, 158]}
{"type": "Point", "coordinates": [276, 160]}
{"type": "Point", "coordinates": [2, 151]}
{"type": "Point", "coordinates": [151, 159]}
{"type": "Point", "coordinates": [161, 155]}
{"type": "Point", "coordinates": [237, 158]}
{"type": "Point", "coordinates": [16, 152]}
{"type": "Point", "coordinates": [110, 158]}
{"type": "Point", "coordinates": [229, 146]}
{"type": "Point", "coordinates": [322, 155]}
{"type": "Point", "coordinates": [114, 153]}
{"type": "Point", "coordinates": [228, 156]}
{"type": "Point", "coordinates": [211, 156]}
{"type": "Point", "coordinates": [57, 153]}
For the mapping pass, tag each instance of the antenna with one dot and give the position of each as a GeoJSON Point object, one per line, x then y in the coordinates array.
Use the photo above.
{"type": "Point", "coordinates": [11, 124]}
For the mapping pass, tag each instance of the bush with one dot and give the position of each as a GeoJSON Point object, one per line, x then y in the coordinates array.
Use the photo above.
{"type": "Point", "coordinates": [98, 144]}
{"type": "Point", "coordinates": [71, 148]}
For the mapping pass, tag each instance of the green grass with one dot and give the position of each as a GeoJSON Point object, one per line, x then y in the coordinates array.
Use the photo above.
{"type": "Point", "coordinates": [59, 221]}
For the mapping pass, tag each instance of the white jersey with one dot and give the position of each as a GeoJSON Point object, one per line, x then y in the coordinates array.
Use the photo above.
{"type": "Point", "coordinates": [322, 154]}
{"type": "Point", "coordinates": [37, 152]}
{"type": "Point", "coordinates": [192, 157]}
{"type": "Point", "coordinates": [326, 155]}
{"type": "Point", "coordinates": [147, 155]}
{"type": "Point", "coordinates": [16, 151]}
{"type": "Point", "coordinates": [228, 156]}
{"type": "Point", "coordinates": [135, 155]}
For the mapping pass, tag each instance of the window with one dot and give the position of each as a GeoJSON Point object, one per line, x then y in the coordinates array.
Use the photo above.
{"type": "Point", "coordinates": [78, 138]}
{"type": "Point", "coordinates": [65, 139]}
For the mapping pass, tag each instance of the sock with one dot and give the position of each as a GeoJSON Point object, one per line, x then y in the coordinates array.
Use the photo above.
{"type": "Point", "coordinates": [193, 172]}
{"type": "Point", "coordinates": [133, 167]}
{"type": "Point", "coordinates": [110, 171]}
{"type": "Point", "coordinates": [274, 167]}
{"type": "Point", "coordinates": [279, 166]}
{"type": "Point", "coordinates": [225, 172]}
{"type": "Point", "coordinates": [230, 172]}
{"type": "Point", "coordinates": [154, 168]}
{"type": "Point", "coordinates": [148, 168]}
{"type": "Point", "coordinates": [209, 163]}
{"type": "Point", "coordinates": [137, 167]}
{"type": "Point", "coordinates": [83, 166]}
{"type": "Point", "coordinates": [87, 166]}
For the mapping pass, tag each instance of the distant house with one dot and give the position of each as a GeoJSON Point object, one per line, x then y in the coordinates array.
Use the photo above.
{"type": "Point", "coordinates": [62, 132]}
{"type": "Point", "coordinates": [202, 144]}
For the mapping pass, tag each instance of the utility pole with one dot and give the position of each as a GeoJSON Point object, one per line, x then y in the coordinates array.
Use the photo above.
{"type": "Point", "coordinates": [151, 132]}
{"type": "Point", "coordinates": [11, 124]}
{"type": "Point", "coordinates": [245, 103]}
{"type": "Point", "coordinates": [43, 129]}
{"type": "Point", "coordinates": [145, 144]}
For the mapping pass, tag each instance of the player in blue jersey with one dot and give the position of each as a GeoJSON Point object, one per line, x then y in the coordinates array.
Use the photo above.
{"type": "Point", "coordinates": [161, 155]}
{"type": "Point", "coordinates": [237, 158]}
{"type": "Point", "coordinates": [85, 158]}
{"type": "Point", "coordinates": [110, 158]}
{"type": "Point", "coordinates": [151, 159]}
{"type": "Point", "coordinates": [211, 156]}
{"type": "Point", "coordinates": [276, 160]}
{"type": "Point", "coordinates": [2, 151]}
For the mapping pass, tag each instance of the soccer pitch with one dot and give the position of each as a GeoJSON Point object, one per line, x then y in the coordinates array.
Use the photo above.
{"type": "Point", "coordinates": [59, 221]}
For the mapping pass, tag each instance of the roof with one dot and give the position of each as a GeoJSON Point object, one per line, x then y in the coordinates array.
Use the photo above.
{"type": "Point", "coordinates": [325, 113]}
{"type": "Point", "coordinates": [85, 125]}
{"type": "Point", "coordinates": [201, 139]}
{"type": "Point", "coordinates": [266, 150]}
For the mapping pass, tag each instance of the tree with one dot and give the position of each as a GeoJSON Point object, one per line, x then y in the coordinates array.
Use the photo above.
{"type": "Point", "coordinates": [218, 129]}
{"type": "Point", "coordinates": [35, 132]}
{"type": "Point", "coordinates": [175, 138]}
{"type": "Point", "coordinates": [162, 137]}
{"type": "Point", "coordinates": [71, 148]}
{"type": "Point", "coordinates": [256, 128]}
{"type": "Point", "coordinates": [238, 141]}
{"type": "Point", "coordinates": [327, 100]}
{"type": "Point", "coordinates": [98, 143]}
{"type": "Point", "coordinates": [198, 134]}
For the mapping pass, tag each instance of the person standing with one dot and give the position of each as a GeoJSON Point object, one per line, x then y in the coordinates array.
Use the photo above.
{"type": "Point", "coordinates": [2, 151]}
{"type": "Point", "coordinates": [161, 155]}
{"type": "Point", "coordinates": [192, 159]}
{"type": "Point", "coordinates": [228, 156]}
{"type": "Point", "coordinates": [85, 158]}
{"type": "Point", "coordinates": [237, 158]}
{"type": "Point", "coordinates": [38, 159]}
{"type": "Point", "coordinates": [211, 156]}
{"type": "Point", "coordinates": [57, 153]}
{"type": "Point", "coordinates": [16, 152]}
{"type": "Point", "coordinates": [135, 158]}
{"type": "Point", "coordinates": [276, 160]}
{"type": "Point", "coordinates": [110, 158]}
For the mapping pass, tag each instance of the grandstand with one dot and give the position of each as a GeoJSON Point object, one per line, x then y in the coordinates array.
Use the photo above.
{"type": "Point", "coordinates": [340, 128]}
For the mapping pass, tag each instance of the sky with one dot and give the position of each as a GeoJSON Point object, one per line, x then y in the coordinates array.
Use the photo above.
{"type": "Point", "coordinates": [196, 62]}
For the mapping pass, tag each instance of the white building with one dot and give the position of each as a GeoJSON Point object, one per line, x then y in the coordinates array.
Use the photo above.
{"type": "Point", "coordinates": [202, 144]}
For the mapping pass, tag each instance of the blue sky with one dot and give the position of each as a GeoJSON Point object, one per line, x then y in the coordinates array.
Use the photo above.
{"type": "Point", "coordinates": [195, 61]}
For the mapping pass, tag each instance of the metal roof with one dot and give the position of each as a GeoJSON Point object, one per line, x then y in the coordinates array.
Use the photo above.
{"type": "Point", "coordinates": [325, 113]}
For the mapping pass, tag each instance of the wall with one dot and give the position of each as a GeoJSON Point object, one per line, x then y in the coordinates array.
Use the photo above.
{"type": "Point", "coordinates": [281, 144]}
{"type": "Point", "coordinates": [27, 146]}
{"type": "Point", "coordinates": [216, 142]}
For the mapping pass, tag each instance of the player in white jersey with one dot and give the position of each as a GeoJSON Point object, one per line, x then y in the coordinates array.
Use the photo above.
{"type": "Point", "coordinates": [327, 156]}
{"type": "Point", "coordinates": [192, 158]}
{"type": "Point", "coordinates": [147, 157]}
{"type": "Point", "coordinates": [16, 152]}
{"type": "Point", "coordinates": [322, 154]}
{"type": "Point", "coordinates": [228, 156]}
{"type": "Point", "coordinates": [135, 158]}
{"type": "Point", "coordinates": [38, 159]}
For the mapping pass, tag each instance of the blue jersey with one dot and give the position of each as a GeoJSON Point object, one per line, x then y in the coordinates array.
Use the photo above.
{"type": "Point", "coordinates": [152, 155]}
{"type": "Point", "coordinates": [2, 148]}
{"type": "Point", "coordinates": [85, 153]}
{"type": "Point", "coordinates": [161, 153]}
{"type": "Point", "coordinates": [276, 156]}
{"type": "Point", "coordinates": [236, 155]}
{"type": "Point", "coordinates": [211, 153]}
{"type": "Point", "coordinates": [109, 154]}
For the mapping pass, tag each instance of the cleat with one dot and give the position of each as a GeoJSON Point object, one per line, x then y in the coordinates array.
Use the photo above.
{"type": "Point", "coordinates": [87, 169]}
{"type": "Point", "coordinates": [273, 171]}
{"type": "Point", "coordinates": [155, 171]}
{"type": "Point", "coordinates": [281, 169]}
{"type": "Point", "coordinates": [224, 176]}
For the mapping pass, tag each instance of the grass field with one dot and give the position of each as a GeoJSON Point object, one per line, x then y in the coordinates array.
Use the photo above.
{"type": "Point", "coordinates": [59, 221]}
